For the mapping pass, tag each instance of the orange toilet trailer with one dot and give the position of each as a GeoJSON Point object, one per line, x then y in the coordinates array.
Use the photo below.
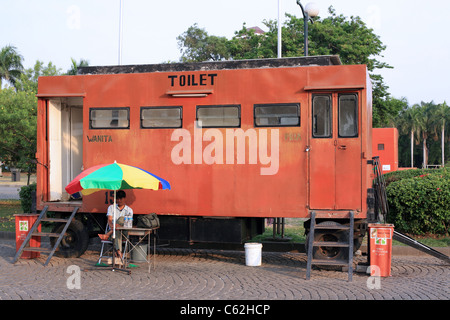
{"type": "Point", "coordinates": [239, 142]}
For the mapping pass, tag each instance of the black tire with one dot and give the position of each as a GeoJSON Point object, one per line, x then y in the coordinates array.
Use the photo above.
{"type": "Point", "coordinates": [329, 253]}
{"type": "Point", "coordinates": [74, 242]}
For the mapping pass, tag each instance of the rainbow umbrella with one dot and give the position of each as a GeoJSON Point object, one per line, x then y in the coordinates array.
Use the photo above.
{"type": "Point", "coordinates": [115, 176]}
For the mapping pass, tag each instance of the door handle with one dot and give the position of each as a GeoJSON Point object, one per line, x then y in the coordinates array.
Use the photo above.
{"type": "Point", "coordinates": [307, 148]}
{"type": "Point", "coordinates": [342, 147]}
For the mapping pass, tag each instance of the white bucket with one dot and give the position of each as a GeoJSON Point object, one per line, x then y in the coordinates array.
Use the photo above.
{"type": "Point", "coordinates": [253, 254]}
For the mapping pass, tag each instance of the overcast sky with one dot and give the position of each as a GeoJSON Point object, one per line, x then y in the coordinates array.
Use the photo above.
{"type": "Point", "coordinates": [415, 33]}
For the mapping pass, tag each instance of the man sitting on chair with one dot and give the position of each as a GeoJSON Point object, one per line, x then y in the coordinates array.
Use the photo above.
{"type": "Point", "coordinates": [122, 210]}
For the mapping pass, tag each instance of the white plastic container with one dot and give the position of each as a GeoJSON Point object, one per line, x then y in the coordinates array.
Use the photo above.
{"type": "Point", "coordinates": [253, 254]}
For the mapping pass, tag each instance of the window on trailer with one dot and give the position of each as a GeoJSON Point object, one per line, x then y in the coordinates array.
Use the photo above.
{"type": "Point", "coordinates": [348, 116]}
{"type": "Point", "coordinates": [109, 118]}
{"type": "Point", "coordinates": [228, 116]}
{"type": "Point", "coordinates": [161, 117]}
{"type": "Point", "coordinates": [277, 115]}
{"type": "Point", "coordinates": [322, 116]}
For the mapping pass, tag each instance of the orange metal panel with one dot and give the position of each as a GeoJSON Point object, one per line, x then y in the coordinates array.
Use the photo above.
{"type": "Point", "coordinates": [349, 188]}
{"type": "Point", "coordinates": [385, 146]}
{"type": "Point", "coordinates": [322, 176]}
{"type": "Point", "coordinates": [348, 174]}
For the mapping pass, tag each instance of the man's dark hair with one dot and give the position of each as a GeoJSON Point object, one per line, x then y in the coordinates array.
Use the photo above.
{"type": "Point", "coordinates": [121, 194]}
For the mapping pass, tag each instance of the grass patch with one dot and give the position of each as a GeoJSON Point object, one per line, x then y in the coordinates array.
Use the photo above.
{"type": "Point", "coordinates": [295, 232]}
{"type": "Point", "coordinates": [431, 241]}
{"type": "Point", "coordinates": [8, 208]}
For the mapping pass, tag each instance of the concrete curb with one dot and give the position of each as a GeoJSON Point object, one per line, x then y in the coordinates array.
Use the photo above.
{"type": "Point", "coordinates": [12, 185]}
{"type": "Point", "coordinates": [7, 235]}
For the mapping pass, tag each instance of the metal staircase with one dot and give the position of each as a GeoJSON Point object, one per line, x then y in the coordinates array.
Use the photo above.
{"type": "Point", "coordinates": [33, 233]}
{"type": "Point", "coordinates": [381, 203]}
{"type": "Point", "coordinates": [334, 244]}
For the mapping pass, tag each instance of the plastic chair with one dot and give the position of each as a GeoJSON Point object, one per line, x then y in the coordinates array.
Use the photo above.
{"type": "Point", "coordinates": [110, 249]}
{"type": "Point", "coordinates": [107, 243]}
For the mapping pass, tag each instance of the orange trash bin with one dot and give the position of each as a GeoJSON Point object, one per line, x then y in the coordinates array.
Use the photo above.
{"type": "Point", "coordinates": [24, 222]}
{"type": "Point", "coordinates": [380, 249]}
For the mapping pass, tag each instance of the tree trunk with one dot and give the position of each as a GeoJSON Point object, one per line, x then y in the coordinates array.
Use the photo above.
{"type": "Point", "coordinates": [442, 145]}
{"type": "Point", "coordinates": [425, 153]}
{"type": "Point", "coordinates": [412, 148]}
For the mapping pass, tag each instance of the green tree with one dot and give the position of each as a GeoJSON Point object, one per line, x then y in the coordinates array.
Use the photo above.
{"type": "Point", "coordinates": [18, 115]}
{"type": "Point", "coordinates": [75, 65]}
{"type": "Point", "coordinates": [197, 46]}
{"type": "Point", "coordinates": [10, 65]}
{"type": "Point", "coordinates": [247, 44]}
{"type": "Point", "coordinates": [28, 80]}
{"type": "Point", "coordinates": [350, 38]}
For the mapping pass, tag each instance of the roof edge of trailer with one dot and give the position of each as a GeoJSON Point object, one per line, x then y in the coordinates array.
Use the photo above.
{"type": "Point", "coordinates": [329, 60]}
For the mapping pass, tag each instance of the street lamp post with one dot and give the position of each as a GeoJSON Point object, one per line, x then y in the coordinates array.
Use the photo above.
{"type": "Point", "coordinates": [310, 11]}
{"type": "Point", "coordinates": [279, 29]}
{"type": "Point", "coordinates": [120, 31]}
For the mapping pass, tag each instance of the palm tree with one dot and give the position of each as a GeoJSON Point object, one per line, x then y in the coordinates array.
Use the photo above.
{"type": "Point", "coordinates": [74, 67]}
{"type": "Point", "coordinates": [426, 126]}
{"type": "Point", "coordinates": [407, 123]}
{"type": "Point", "coordinates": [441, 115]}
{"type": "Point", "coordinates": [10, 65]}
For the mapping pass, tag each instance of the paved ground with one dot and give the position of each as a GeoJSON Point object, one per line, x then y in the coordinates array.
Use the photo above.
{"type": "Point", "coordinates": [185, 274]}
{"type": "Point", "coordinates": [193, 276]}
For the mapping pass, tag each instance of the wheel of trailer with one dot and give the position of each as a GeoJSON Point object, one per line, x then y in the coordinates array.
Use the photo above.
{"type": "Point", "coordinates": [74, 242]}
{"type": "Point", "coordinates": [329, 253]}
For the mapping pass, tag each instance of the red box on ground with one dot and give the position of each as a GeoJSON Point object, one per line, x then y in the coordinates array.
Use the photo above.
{"type": "Point", "coordinates": [24, 223]}
{"type": "Point", "coordinates": [380, 246]}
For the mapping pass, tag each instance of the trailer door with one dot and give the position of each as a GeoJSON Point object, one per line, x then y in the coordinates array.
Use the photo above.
{"type": "Point", "coordinates": [348, 153]}
{"type": "Point", "coordinates": [335, 153]}
{"type": "Point", "coordinates": [322, 151]}
{"type": "Point", "coordinates": [65, 144]}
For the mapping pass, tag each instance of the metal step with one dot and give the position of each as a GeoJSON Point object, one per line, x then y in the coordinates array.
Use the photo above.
{"type": "Point", "coordinates": [317, 227]}
{"type": "Point", "coordinates": [330, 244]}
{"type": "Point", "coordinates": [54, 220]}
{"type": "Point", "coordinates": [67, 221]}
{"type": "Point", "coordinates": [37, 249]}
{"type": "Point", "coordinates": [330, 262]}
{"type": "Point", "coordinates": [45, 234]}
